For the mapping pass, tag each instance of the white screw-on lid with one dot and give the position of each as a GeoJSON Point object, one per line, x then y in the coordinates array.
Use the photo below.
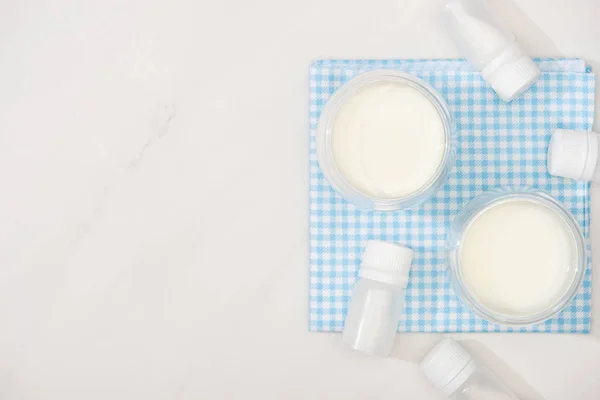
{"type": "Point", "coordinates": [511, 73]}
{"type": "Point", "coordinates": [448, 365]}
{"type": "Point", "coordinates": [573, 154]}
{"type": "Point", "coordinates": [386, 262]}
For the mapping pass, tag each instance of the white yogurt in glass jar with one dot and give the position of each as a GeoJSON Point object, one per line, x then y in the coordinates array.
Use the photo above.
{"type": "Point", "coordinates": [388, 140]}
{"type": "Point", "coordinates": [384, 140]}
{"type": "Point", "coordinates": [518, 257]}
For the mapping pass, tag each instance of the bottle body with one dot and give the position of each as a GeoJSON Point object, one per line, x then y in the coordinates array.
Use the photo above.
{"type": "Point", "coordinates": [373, 316]}
{"type": "Point", "coordinates": [478, 35]}
{"type": "Point", "coordinates": [483, 385]}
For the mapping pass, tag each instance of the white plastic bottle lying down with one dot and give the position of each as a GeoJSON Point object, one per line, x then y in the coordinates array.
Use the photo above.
{"type": "Point", "coordinates": [454, 373]}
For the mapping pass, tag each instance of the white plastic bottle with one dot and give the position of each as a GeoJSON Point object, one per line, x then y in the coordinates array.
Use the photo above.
{"type": "Point", "coordinates": [489, 47]}
{"type": "Point", "coordinates": [378, 298]}
{"type": "Point", "coordinates": [453, 372]}
{"type": "Point", "coordinates": [575, 154]}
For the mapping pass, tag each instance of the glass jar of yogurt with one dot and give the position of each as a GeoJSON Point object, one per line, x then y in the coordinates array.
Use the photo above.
{"type": "Point", "coordinates": [516, 257]}
{"type": "Point", "coordinates": [384, 141]}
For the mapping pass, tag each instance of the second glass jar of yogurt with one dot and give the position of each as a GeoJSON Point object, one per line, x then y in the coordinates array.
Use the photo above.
{"type": "Point", "coordinates": [516, 257]}
{"type": "Point", "coordinates": [384, 141]}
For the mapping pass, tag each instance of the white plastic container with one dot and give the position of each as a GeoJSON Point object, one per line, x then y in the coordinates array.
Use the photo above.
{"type": "Point", "coordinates": [574, 154]}
{"type": "Point", "coordinates": [489, 47]}
{"type": "Point", "coordinates": [453, 372]}
{"type": "Point", "coordinates": [378, 298]}
{"type": "Point", "coordinates": [400, 148]}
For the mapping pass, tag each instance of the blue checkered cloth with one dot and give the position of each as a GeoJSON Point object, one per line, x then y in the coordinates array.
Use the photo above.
{"type": "Point", "coordinates": [498, 145]}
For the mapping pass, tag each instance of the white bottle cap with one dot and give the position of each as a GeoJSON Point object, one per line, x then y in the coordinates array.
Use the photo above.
{"type": "Point", "coordinates": [386, 262]}
{"type": "Point", "coordinates": [511, 73]}
{"type": "Point", "coordinates": [573, 154]}
{"type": "Point", "coordinates": [448, 365]}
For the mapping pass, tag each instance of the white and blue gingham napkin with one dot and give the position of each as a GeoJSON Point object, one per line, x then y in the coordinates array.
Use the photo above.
{"type": "Point", "coordinates": [498, 145]}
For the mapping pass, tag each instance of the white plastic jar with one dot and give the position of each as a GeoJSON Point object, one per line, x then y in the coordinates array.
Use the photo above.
{"type": "Point", "coordinates": [516, 257]}
{"type": "Point", "coordinates": [384, 141]}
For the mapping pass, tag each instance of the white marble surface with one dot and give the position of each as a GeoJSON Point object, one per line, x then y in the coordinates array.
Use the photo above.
{"type": "Point", "coordinates": [153, 215]}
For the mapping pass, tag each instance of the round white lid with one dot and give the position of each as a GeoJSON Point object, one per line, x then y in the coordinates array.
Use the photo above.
{"type": "Point", "coordinates": [448, 365]}
{"type": "Point", "coordinates": [386, 262]}
{"type": "Point", "coordinates": [573, 154]}
{"type": "Point", "coordinates": [510, 74]}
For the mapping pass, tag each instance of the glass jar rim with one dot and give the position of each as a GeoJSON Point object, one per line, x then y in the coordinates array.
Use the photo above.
{"type": "Point", "coordinates": [509, 320]}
